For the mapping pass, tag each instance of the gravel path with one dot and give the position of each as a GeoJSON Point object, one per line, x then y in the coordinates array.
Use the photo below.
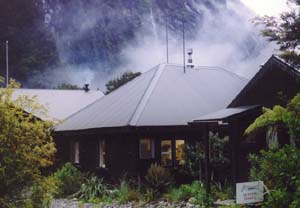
{"type": "Point", "coordinates": [73, 203]}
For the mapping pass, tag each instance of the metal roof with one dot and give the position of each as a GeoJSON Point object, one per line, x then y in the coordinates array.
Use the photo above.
{"type": "Point", "coordinates": [60, 103]}
{"type": "Point", "coordinates": [163, 96]}
{"type": "Point", "coordinates": [224, 114]}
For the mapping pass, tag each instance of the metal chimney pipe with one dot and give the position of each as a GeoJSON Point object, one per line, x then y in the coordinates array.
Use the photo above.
{"type": "Point", "coordinates": [86, 87]}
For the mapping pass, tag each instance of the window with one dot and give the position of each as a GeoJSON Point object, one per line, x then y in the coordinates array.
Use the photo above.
{"type": "Point", "coordinates": [146, 149]}
{"type": "Point", "coordinates": [166, 152]}
{"type": "Point", "coordinates": [102, 153]}
{"type": "Point", "coordinates": [179, 145]}
{"type": "Point", "coordinates": [172, 152]}
{"type": "Point", "coordinates": [272, 137]}
{"type": "Point", "coordinates": [75, 152]}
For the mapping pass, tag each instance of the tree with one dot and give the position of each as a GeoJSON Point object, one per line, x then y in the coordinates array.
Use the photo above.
{"type": "Point", "coordinates": [285, 31]}
{"type": "Point", "coordinates": [279, 169]}
{"type": "Point", "coordinates": [289, 116]}
{"type": "Point", "coordinates": [67, 86]}
{"type": "Point", "coordinates": [119, 81]}
{"type": "Point", "coordinates": [26, 145]}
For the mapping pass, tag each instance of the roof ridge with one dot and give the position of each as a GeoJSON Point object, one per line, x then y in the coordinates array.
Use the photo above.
{"type": "Point", "coordinates": [75, 113]}
{"type": "Point", "coordinates": [143, 101]}
{"type": "Point", "coordinates": [213, 68]}
{"type": "Point", "coordinates": [56, 90]}
{"type": "Point", "coordinates": [229, 72]}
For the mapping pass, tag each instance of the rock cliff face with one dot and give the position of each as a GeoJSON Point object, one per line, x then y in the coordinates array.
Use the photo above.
{"type": "Point", "coordinates": [89, 31]}
{"type": "Point", "coordinates": [93, 36]}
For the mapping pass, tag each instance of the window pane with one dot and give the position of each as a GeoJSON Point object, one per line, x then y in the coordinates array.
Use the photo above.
{"type": "Point", "coordinates": [102, 153]}
{"type": "Point", "coordinates": [180, 152]}
{"type": "Point", "coordinates": [75, 152]}
{"type": "Point", "coordinates": [272, 137]}
{"type": "Point", "coordinates": [166, 152]}
{"type": "Point", "coordinates": [146, 148]}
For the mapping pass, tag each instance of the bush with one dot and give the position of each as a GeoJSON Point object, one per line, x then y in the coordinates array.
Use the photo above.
{"type": "Point", "coordinates": [92, 189]}
{"type": "Point", "coordinates": [123, 193]}
{"type": "Point", "coordinates": [69, 180]}
{"type": "Point", "coordinates": [158, 179]}
{"type": "Point", "coordinates": [43, 192]}
{"type": "Point", "coordinates": [280, 171]}
{"type": "Point", "coordinates": [222, 191]}
{"type": "Point", "coordinates": [195, 190]}
{"type": "Point", "coordinates": [26, 145]}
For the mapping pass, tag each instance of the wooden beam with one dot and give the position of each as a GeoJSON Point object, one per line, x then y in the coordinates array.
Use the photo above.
{"type": "Point", "coordinates": [234, 143]}
{"type": "Point", "coordinates": [207, 160]}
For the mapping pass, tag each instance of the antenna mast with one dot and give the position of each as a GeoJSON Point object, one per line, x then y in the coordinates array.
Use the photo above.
{"type": "Point", "coordinates": [7, 76]}
{"type": "Point", "coordinates": [183, 42]}
{"type": "Point", "coordinates": [167, 40]}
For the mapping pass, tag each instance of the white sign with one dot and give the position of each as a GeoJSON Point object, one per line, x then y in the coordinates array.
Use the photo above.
{"type": "Point", "coordinates": [250, 192]}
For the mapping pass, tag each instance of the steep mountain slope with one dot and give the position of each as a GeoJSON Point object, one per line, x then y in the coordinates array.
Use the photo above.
{"type": "Point", "coordinates": [89, 40]}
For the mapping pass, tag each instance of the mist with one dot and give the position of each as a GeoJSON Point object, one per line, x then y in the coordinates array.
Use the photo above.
{"type": "Point", "coordinates": [226, 37]}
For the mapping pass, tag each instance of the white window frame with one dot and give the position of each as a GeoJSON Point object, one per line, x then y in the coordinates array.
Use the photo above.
{"type": "Point", "coordinates": [101, 153]}
{"type": "Point", "coordinates": [152, 143]}
{"type": "Point", "coordinates": [167, 153]}
{"type": "Point", "coordinates": [75, 152]}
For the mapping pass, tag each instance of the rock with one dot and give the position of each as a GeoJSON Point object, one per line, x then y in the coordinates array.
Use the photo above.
{"type": "Point", "coordinates": [192, 200]}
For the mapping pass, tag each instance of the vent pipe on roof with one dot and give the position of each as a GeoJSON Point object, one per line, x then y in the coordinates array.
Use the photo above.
{"type": "Point", "coordinates": [190, 59]}
{"type": "Point", "coordinates": [86, 87]}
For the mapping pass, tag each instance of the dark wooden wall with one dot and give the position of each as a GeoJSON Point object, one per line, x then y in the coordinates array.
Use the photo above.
{"type": "Point", "coordinates": [264, 88]}
{"type": "Point", "coordinates": [122, 149]}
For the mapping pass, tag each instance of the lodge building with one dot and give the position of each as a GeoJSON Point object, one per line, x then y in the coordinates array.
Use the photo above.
{"type": "Point", "coordinates": [151, 118]}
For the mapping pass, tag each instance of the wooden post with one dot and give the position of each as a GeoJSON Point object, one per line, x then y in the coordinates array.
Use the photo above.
{"type": "Point", "coordinates": [207, 159]}
{"type": "Point", "coordinates": [234, 140]}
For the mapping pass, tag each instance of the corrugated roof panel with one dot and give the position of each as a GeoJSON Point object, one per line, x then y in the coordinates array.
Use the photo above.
{"type": "Point", "coordinates": [178, 97]}
{"type": "Point", "coordinates": [60, 103]}
{"type": "Point", "coordinates": [224, 113]}
{"type": "Point", "coordinates": [163, 96]}
{"type": "Point", "coordinates": [115, 109]}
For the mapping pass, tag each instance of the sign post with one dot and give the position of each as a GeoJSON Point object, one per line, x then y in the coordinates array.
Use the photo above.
{"type": "Point", "coordinates": [250, 192]}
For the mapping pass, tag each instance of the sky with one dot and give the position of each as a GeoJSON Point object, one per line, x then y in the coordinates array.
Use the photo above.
{"type": "Point", "coordinates": [267, 7]}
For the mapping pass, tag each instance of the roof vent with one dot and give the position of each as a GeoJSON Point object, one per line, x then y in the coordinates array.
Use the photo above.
{"type": "Point", "coordinates": [190, 59]}
{"type": "Point", "coordinates": [86, 87]}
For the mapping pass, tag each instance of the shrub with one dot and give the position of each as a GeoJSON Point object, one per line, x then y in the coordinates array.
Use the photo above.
{"type": "Point", "coordinates": [158, 179]}
{"type": "Point", "coordinates": [43, 191]}
{"type": "Point", "coordinates": [92, 189]}
{"type": "Point", "coordinates": [123, 193]}
{"type": "Point", "coordinates": [222, 191]}
{"type": "Point", "coordinates": [195, 190]}
{"type": "Point", "coordinates": [279, 169]}
{"type": "Point", "coordinates": [26, 145]}
{"type": "Point", "coordinates": [69, 180]}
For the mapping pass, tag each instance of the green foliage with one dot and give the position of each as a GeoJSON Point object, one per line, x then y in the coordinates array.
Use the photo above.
{"type": "Point", "coordinates": [280, 171]}
{"type": "Point", "coordinates": [194, 155]}
{"type": "Point", "coordinates": [26, 144]}
{"type": "Point", "coordinates": [43, 191]}
{"type": "Point", "coordinates": [285, 32]}
{"type": "Point", "coordinates": [93, 188]}
{"type": "Point", "coordinates": [67, 86]}
{"type": "Point", "coordinates": [268, 118]}
{"type": "Point", "coordinates": [158, 178]}
{"type": "Point", "coordinates": [185, 192]}
{"type": "Point", "coordinates": [194, 158]}
{"type": "Point", "coordinates": [123, 193]}
{"type": "Point", "coordinates": [126, 194]}
{"type": "Point", "coordinates": [289, 116]}
{"type": "Point", "coordinates": [119, 81]}
{"type": "Point", "coordinates": [69, 180]}
{"type": "Point", "coordinates": [222, 191]}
